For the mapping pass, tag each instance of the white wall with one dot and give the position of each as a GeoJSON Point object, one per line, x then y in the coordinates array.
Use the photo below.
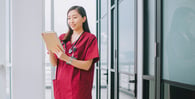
{"type": "Point", "coordinates": [2, 31]}
{"type": "Point", "coordinates": [27, 49]}
{"type": "Point", "coordinates": [2, 50]}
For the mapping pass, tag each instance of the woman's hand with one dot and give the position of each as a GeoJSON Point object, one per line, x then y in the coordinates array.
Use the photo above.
{"type": "Point", "coordinates": [49, 52]}
{"type": "Point", "coordinates": [81, 64]}
{"type": "Point", "coordinates": [52, 57]}
{"type": "Point", "coordinates": [60, 53]}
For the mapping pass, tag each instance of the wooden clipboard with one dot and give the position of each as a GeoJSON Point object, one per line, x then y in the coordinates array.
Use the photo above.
{"type": "Point", "coordinates": [51, 40]}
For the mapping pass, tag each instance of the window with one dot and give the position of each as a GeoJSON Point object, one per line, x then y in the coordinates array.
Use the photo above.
{"type": "Point", "coordinates": [178, 41]}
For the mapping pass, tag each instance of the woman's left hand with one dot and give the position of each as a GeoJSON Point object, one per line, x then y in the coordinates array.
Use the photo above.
{"type": "Point", "coordinates": [60, 53]}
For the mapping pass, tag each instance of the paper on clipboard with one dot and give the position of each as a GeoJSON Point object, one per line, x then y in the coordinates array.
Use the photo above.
{"type": "Point", "coordinates": [51, 40]}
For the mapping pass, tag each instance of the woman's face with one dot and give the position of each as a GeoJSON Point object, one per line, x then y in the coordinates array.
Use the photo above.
{"type": "Point", "coordinates": [75, 20]}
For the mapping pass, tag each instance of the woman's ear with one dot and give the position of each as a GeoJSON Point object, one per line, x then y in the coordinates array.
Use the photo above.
{"type": "Point", "coordinates": [84, 19]}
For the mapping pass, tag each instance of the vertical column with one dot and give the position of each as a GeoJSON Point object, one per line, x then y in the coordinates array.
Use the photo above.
{"type": "Point", "coordinates": [2, 50]}
{"type": "Point", "coordinates": [27, 49]}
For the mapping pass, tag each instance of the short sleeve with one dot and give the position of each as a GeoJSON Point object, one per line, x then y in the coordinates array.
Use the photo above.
{"type": "Point", "coordinates": [61, 37]}
{"type": "Point", "coordinates": [92, 50]}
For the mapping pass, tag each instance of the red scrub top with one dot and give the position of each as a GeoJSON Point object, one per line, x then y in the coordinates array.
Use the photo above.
{"type": "Point", "coordinates": [71, 82]}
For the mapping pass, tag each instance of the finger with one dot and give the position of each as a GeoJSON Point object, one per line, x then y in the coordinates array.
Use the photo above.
{"type": "Point", "coordinates": [55, 51]}
{"type": "Point", "coordinates": [49, 52]}
{"type": "Point", "coordinates": [60, 48]}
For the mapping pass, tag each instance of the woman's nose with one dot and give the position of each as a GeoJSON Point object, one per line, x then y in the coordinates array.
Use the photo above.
{"type": "Point", "coordinates": [71, 21]}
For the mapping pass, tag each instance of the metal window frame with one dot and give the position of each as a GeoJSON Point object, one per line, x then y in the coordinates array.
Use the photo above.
{"type": "Point", "coordinates": [158, 66]}
{"type": "Point", "coordinates": [97, 69]}
{"type": "Point", "coordinates": [113, 82]}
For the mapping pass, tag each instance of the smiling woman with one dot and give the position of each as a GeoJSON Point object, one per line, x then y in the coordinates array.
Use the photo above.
{"type": "Point", "coordinates": [56, 20]}
{"type": "Point", "coordinates": [75, 66]}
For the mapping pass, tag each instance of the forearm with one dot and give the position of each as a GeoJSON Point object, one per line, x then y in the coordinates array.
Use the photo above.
{"type": "Point", "coordinates": [53, 59]}
{"type": "Point", "coordinates": [80, 64]}
{"type": "Point", "coordinates": [85, 65]}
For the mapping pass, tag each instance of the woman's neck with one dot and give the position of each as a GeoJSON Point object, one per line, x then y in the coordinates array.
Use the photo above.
{"type": "Point", "coordinates": [78, 32]}
{"type": "Point", "coordinates": [76, 35]}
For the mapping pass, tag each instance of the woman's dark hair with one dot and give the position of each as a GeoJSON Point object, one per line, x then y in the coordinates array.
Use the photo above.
{"type": "Point", "coordinates": [82, 12]}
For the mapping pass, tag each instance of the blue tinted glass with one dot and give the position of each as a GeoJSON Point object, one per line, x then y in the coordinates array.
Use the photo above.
{"type": "Point", "coordinates": [179, 41]}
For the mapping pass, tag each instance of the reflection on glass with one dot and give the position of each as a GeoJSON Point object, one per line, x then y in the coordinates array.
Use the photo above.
{"type": "Point", "coordinates": [104, 42]}
{"type": "Point", "coordinates": [179, 38]}
{"type": "Point", "coordinates": [126, 36]}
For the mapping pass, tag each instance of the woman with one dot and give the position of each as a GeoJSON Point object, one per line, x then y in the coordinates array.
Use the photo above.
{"type": "Point", "coordinates": [75, 66]}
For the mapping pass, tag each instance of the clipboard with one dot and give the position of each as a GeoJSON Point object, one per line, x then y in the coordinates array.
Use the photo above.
{"type": "Point", "coordinates": [51, 41]}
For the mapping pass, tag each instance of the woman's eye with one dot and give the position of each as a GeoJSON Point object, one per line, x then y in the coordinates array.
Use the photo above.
{"type": "Point", "coordinates": [74, 17]}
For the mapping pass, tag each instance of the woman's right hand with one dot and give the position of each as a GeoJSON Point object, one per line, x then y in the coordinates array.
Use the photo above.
{"type": "Point", "coordinates": [49, 52]}
{"type": "Point", "coordinates": [52, 57]}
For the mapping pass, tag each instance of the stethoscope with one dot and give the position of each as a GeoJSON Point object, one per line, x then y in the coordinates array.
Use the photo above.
{"type": "Point", "coordinates": [73, 48]}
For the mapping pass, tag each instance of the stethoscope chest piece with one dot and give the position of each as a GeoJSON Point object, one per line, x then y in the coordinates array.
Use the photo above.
{"type": "Point", "coordinates": [70, 51]}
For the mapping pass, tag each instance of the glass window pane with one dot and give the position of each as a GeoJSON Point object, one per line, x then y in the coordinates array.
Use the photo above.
{"type": "Point", "coordinates": [104, 43]}
{"type": "Point", "coordinates": [149, 35]}
{"type": "Point", "coordinates": [126, 48]}
{"type": "Point", "coordinates": [126, 88]}
{"type": "Point", "coordinates": [104, 8]}
{"type": "Point", "coordinates": [126, 36]}
{"type": "Point", "coordinates": [179, 40]}
{"type": "Point", "coordinates": [60, 15]}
